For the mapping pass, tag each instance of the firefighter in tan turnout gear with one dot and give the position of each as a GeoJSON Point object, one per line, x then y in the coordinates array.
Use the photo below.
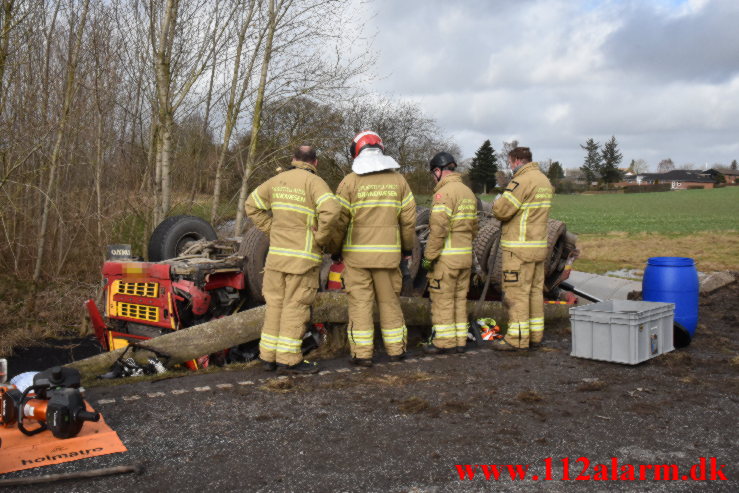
{"type": "Point", "coordinates": [298, 212]}
{"type": "Point", "coordinates": [523, 210]}
{"type": "Point", "coordinates": [378, 222]}
{"type": "Point", "coordinates": [448, 256]}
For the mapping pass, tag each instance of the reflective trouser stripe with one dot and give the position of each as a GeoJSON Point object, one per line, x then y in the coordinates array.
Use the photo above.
{"type": "Point", "coordinates": [395, 335]}
{"type": "Point", "coordinates": [362, 337]}
{"type": "Point", "coordinates": [365, 289]}
{"type": "Point", "coordinates": [288, 298]}
{"type": "Point", "coordinates": [268, 341]}
{"type": "Point", "coordinates": [518, 329]}
{"type": "Point", "coordinates": [536, 324]}
{"type": "Point", "coordinates": [462, 329]}
{"type": "Point", "coordinates": [443, 331]}
{"type": "Point", "coordinates": [288, 345]}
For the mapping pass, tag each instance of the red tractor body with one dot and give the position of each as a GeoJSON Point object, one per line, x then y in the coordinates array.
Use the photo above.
{"type": "Point", "coordinates": [147, 299]}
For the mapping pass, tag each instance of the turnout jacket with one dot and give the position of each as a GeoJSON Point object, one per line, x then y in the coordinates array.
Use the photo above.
{"type": "Point", "coordinates": [298, 212]}
{"type": "Point", "coordinates": [523, 210]}
{"type": "Point", "coordinates": [453, 223]}
{"type": "Point", "coordinates": [378, 219]}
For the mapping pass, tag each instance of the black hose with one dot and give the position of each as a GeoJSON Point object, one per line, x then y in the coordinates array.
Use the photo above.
{"type": "Point", "coordinates": [572, 289]}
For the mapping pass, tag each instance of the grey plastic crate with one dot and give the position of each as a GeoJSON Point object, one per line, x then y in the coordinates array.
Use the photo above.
{"type": "Point", "coordinates": [622, 331]}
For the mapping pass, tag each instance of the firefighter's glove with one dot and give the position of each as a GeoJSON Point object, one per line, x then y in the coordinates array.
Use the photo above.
{"type": "Point", "coordinates": [428, 265]}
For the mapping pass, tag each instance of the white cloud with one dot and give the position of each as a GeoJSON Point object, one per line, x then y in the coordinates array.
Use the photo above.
{"type": "Point", "coordinates": [662, 76]}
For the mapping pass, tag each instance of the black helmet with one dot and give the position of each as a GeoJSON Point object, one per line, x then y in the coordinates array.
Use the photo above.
{"type": "Point", "coordinates": [441, 160]}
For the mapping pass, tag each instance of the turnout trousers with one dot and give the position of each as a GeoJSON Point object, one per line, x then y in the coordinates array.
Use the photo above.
{"type": "Point", "coordinates": [289, 298]}
{"type": "Point", "coordinates": [448, 291]}
{"type": "Point", "coordinates": [523, 290]}
{"type": "Point", "coordinates": [364, 287]}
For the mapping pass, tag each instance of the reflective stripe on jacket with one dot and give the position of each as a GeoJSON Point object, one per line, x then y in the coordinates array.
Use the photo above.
{"type": "Point", "coordinates": [379, 217]}
{"type": "Point", "coordinates": [453, 223]}
{"type": "Point", "coordinates": [298, 212]}
{"type": "Point", "coordinates": [524, 210]}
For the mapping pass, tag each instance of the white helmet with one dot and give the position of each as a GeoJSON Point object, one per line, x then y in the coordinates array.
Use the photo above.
{"type": "Point", "coordinates": [367, 150]}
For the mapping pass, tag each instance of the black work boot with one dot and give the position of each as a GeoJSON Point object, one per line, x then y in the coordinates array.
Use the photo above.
{"type": "Point", "coordinates": [461, 349]}
{"type": "Point", "coordinates": [302, 368]}
{"type": "Point", "coordinates": [268, 365]}
{"type": "Point", "coordinates": [503, 345]}
{"type": "Point", "coordinates": [365, 362]}
{"type": "Point", "coordinates": [431, 349]}
{"type": "Point", "coordinates": [398, 357]}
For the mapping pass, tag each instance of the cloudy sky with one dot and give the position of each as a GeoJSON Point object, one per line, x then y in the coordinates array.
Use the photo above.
{"type": "Point", "coordinates": [660, 75]}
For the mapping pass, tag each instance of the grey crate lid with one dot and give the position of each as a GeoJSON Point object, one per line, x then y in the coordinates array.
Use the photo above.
{"type": "Point", "coordinates": [622, 306]}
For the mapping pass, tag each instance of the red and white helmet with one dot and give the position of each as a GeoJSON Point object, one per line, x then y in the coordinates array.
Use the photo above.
{"type": "Point", "coordinates": [365, 139]}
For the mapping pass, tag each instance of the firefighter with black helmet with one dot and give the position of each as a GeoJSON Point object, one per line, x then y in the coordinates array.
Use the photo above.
{"type": "Point", "coordinates": [523, 210]}
{"type": "Point", "coordinates": [448, 255]}
{"type": "Point", "coordinates": [298, 212]}
{"type": "Point", "coordinates": [377, 227]}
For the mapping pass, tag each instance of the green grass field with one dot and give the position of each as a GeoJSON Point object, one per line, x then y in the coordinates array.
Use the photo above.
{"type": "Point", "coordinates": [618, 231]}
{"type": "Point", "coordinates": [679, 212]}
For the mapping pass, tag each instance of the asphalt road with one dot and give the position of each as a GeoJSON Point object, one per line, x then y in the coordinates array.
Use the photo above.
{"type": "Point", "coordinates": [405, 426]}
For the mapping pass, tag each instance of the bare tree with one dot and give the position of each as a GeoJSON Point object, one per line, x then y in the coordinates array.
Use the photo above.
{"type": "Point", "coordinates": [257, 115]}
{"type": "Point", "coordinates": [237, 93]}
{"type": "Point", "coordinates": [638, 166]}
{"type": "Point", "coordinates": [75, 43]}
{"type": "Point", "coordinates": [181, 43]}
{"type": "Point", "coordinates": [307, 59]}
{"type": "Point", "coordinates": [665, 165]}
{"type": "Point", "coordinates": [6, 24]}
{"type": "Point", "coordinates": [508, 146]}
{"type": "Point", "coordinates": [88, 122]}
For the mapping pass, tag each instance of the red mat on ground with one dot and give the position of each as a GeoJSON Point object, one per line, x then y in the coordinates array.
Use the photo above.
{"type": "Point", "coordinates": [18, 451]}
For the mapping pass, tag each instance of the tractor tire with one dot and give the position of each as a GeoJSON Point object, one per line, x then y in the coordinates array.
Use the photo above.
{"type": "Point", "coordinates": [323, 273]}
{"type": "Point", "coordinates": [416, 285]}
{"type": "Point", "coordinates": [175, 234]}
{"type": "Point", "coordinates": [494, 265]}
{"type": "Point", "coordinates": [486, 238]}
{"type": "Point", "coordinates": [254, 248]}
{"type": "Point", "coordinates": [423, 214]}
{"type": "Point", "coordinates": [414, 267]}
{"type": "Point", "coordinates": [558, 251]}
{"type": "Point", "coordinates": [556, 245]}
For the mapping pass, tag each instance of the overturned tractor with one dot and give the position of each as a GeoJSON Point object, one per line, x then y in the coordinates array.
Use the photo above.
{"type": "Point", "coordinates": [193, 277]}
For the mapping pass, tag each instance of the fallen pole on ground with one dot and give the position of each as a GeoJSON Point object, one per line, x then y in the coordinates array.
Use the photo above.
{"type": "Point", "coordinates": [193, 342]}
{"type": "Point", "coordinates": [51, 478]}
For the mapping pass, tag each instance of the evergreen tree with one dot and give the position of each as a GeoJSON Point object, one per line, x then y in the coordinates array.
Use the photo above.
{"type": "Point", "coordinates": [733, 165]}
{"type": "Point", "coordinates": [611, 158]}
{"type": "Point", "coordinates": [592, 165]}
{"type": "Point", "coordinates": [484, 166]}
{"type": "Point", "coordinates": [555, 172]}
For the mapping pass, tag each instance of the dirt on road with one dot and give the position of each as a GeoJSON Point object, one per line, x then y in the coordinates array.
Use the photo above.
{"type": "Point", "coordinates": [406, 426]}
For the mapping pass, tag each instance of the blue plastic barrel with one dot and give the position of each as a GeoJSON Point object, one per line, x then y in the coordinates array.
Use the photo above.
{"type": "Point", "coordinates": [674, 280]}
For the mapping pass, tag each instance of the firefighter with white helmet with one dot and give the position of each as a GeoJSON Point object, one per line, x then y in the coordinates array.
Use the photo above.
{"type": "Point", "coordinates": [523, 210]}
{"type": "Point", "coordinates": [448, 255]}
{"type": "Point", "coordinates": [298, 212]}
{"type": "Point", "coordinates": [377, 223]}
